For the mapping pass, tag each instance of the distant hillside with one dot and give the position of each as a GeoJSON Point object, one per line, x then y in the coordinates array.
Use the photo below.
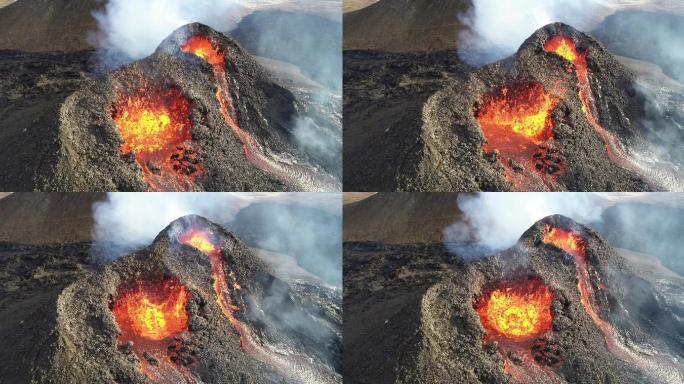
{"type": "Point", "coordinates": [355, 5]}
{"type": "Point", "coordinates": [47, 25]}
{"type": "Point", "coordinates": [405, 25]}
{"type": "Point", "coordinates": [47, 218]}
{"type": "Point", "coordinates": [401, 218]}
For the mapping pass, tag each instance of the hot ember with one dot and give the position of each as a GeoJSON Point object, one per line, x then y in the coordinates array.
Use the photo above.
{"type": "Point", "coordinates": [155, 126]}
{"type": "Point", "coordinates": [517, 311]}
{"type": "Point", "coordinates": [517, 122]}
{"type": "Point", "coordinates": [152, 310]}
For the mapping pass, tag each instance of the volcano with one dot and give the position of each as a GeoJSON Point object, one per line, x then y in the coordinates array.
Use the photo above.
{"type": "Point", "coordinates": [559, 306]}
{"type": "Point", "coordinates": [194, 306]}
{"type": "Point", "coordinates": [200, 114]}
{"type": "Point", "coordinates": [561, 114]}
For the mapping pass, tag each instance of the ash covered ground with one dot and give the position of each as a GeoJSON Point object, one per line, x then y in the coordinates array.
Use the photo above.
{"type": "Point", "coordinates": [411, 316]}
{"type": "Point", "coordinates": [258, 124]}
{"type": "Point", "coordinates": [245, 320]}
{"type": "Point", "coordinates": [418, 121]}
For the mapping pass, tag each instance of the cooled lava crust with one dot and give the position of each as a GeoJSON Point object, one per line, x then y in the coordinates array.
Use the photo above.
{"type": "Point", "coordinates": [158, 124]}
{"type": "Point", "coordinates": [528, 122]}
{"type": "Point", "coordinates": [155, 316]}
{"type": "Point", "coordinates": [419, 314]}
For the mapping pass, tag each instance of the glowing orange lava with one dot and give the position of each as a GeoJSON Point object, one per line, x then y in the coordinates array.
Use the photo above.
{"type": "Point", "coordinates": [202, 47]}
{"type": "Point", "coordinates": [565, 47]}
{"type": "Point", "coordinates": [573, 243]}
{"type": "Point", "coordinates": [516, 122]}
{"type": "Point", "coordinates": [200, 239]}
{"type": "Point", "coordinates": [154, 125]}
{"type": "Point", "coordinates": [518, 311]}
{"type": "Point", "coordinates": [152, 311]}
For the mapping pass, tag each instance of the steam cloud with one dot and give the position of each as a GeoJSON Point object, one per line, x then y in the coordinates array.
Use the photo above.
{"type": "Point", "coordinates": [495, 221]}
{"type": "Point", "coordinates": [499, 27]}
{"type": "Point", "coordinates": [643, 222]}
{"type": "Point", "coordinates": [130, 221]}
{"type": "Point", "coordinates": [134, 29]}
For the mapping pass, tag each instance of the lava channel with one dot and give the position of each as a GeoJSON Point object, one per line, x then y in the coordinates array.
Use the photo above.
{"type": "Point", "coordinates": [515, 315]}
{"type": "Point", "coordinates": [155, 126]}
{"type": "Point", "coordinates": [301, 177]}
{"type": "Point", "coordinates": [575, 245]}
{"type": "Point", "coordinates": [565, 47]}
{"type": "Point", "coordinates": [517, 122]}
{"type": "Point", "coordinates": [300, 370]}
{"type": "Point", "coordinates": [151, 315]}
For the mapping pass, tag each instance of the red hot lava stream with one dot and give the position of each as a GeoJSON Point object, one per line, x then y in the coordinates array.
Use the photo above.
{"type": "Point", "coordinates": [514, 315]}
{"type": "Point", "coordinates": [288, 173]}
{"type": "Point", "coordinates": [150, 315]}
{"type": "Point", "coordinates": [565, 47]}
{"type": "Point", "coordinates": [575, 245]}
{"type": "Point", "coordinates": [288, 365]}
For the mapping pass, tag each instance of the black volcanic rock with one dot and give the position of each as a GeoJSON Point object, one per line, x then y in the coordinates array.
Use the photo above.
{"type": "Point", "coordinates": [425, 329]}
{"type": "Point", "coordinates": [445, 151]}
{"type": "Point", "coordinates": [290, 331]}
{"type": "Point", "coordinates": [82, 149]}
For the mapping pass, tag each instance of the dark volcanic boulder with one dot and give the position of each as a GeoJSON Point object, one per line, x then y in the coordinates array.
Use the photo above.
{"type": "Point", "coordinates": [560, 114]}
{"type": "Point", "coordinates": [195, 306]}
{"type": "Point", "coordinates": [199, 114]}
{"type": "Point", "coordinates": [592, 314]}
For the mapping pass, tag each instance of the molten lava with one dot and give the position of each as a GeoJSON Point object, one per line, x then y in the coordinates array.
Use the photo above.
{"type": "Point", "coordinates": [517, 122]}
{"type": "Point", "coordinates": [200, 240]}
{"type": "Point", "coordinates": [565, 47]}
{"type": "Point", "coordinates": [154, 125]}
{"type": "Point", "coordinates": [152, 310]}
{"type": "Point", "coordinates": [518, 311]}
{"type": "Point", "coordinates": [202, 47]}
{"type": "Point", "coordinates": [516, 117]}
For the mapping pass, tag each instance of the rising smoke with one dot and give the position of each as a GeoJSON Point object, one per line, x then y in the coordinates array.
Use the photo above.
{"type": "Point", "coordinates": [132, 29]}
{"type": "Point", "coordinates": [643, 222]}
{"type": "Point", "coordinates": [130, 221]}
{"type": "Point", "coordinates": [497, 28]}
{"type": "Point", "coordinates": [495, 221]}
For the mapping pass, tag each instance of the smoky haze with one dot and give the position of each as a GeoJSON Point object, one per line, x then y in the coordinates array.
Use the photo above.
{"type": "Point", "coordinates": [132, 29]}
{"type": "Point", "coordinates": [642, 222]}
{"type": "Point", "coordinates": [278, 222]}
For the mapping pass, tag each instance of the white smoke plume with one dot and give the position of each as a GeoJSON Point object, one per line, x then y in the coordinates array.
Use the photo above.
{"type": "Point", "coordinates": [134, 28]}
{"type": "Point", "coordinates": [129, 221]}
{"type": "Point", "coordinates": [495, 221]}
{"type": "Point", "coordinates": [499, 27]}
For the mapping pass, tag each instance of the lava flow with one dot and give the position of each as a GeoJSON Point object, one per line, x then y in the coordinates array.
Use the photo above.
{"type": "Point", "coordinates": [155, 126]}
{"type": "Point", "coordinates": [200, 240]}
{"type": "Point", "coordinates": [204, 48]}
{"type": "Point", "coordinates": [151, 314]}
{"type": "Point", "coordinates": [286, 171]}
{"type": "Point", "coordinates": [565, 47]}
{"type": "Point", "coordinates": [515, 315]}
{"type": "Point", "coordinates": [517, 123]}
{"type": "Point", "coordinates": [573, 243]}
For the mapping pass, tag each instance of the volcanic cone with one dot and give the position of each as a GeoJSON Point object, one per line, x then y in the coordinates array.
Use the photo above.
{"type": "Point", "coordinates": [560, 306]}
{"type": "Point", "coordinates": [194, 306]}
